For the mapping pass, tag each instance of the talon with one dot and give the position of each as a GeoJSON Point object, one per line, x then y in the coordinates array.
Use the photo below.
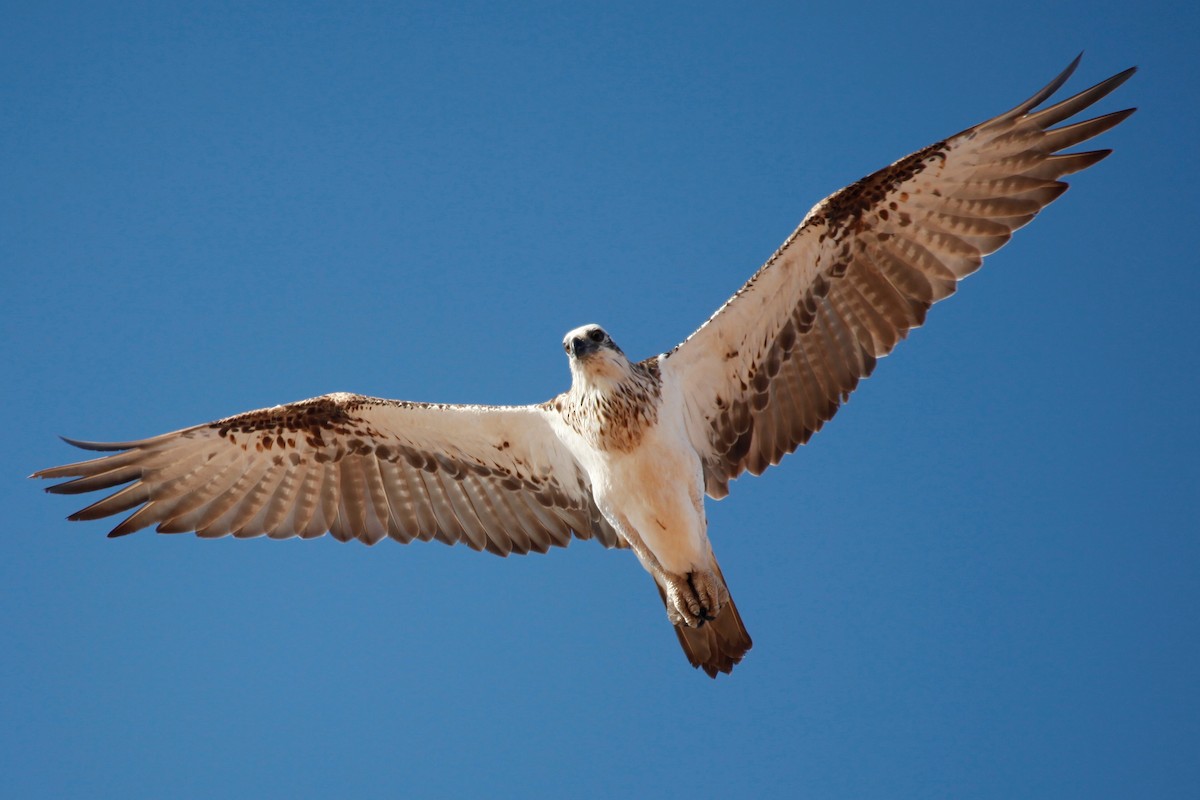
{"type": "Point", "coordinates": [695, 598]}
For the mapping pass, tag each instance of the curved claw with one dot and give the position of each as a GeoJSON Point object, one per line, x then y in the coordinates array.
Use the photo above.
{"type": "Point", "coordinates": [695, 598]}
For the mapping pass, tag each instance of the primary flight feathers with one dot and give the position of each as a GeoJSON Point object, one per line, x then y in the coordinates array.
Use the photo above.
{"type": "Point", "coordinates": [625, 455]}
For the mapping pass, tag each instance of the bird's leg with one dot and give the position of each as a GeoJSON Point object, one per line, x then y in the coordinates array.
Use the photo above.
{"type": "Point", "coordinates": [694, 598]}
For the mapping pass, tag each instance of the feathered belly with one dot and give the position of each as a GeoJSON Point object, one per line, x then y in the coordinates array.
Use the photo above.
{"type": "Point", "coordinates": [659, 494]}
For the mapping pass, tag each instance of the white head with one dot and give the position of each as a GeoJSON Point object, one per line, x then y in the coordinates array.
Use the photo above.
{"type": "Point", "coordinates": [594, 356]}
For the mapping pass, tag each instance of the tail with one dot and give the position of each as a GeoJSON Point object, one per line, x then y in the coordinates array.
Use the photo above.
{"type": "Point", "coordinates": [717, 645]}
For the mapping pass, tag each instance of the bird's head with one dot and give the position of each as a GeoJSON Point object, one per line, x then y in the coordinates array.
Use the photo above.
{"type": "Point", "coordinates": [594, 356]}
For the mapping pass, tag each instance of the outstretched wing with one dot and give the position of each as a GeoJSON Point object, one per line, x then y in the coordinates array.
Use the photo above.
{"type": "Point", "coordinates": [776, 361]}
{"type": "Point", "coordinates": [361, 468]}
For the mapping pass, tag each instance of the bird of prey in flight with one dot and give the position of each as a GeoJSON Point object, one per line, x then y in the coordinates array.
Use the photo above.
{"type": "Point", "coordinates": [627, 454]}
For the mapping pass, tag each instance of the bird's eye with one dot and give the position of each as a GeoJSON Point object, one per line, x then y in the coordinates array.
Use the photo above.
{"type": "Point", "coordinates": [596, 335]}
{"type": "Point", "coordinates": [567, 347]}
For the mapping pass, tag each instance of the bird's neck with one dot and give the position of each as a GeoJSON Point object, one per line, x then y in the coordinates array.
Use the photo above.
{"type": "Point", "coordinates": [613, 407]}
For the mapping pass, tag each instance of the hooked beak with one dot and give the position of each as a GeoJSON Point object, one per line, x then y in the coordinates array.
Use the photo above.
{"type": "Point", "coordinates": [581, 347]}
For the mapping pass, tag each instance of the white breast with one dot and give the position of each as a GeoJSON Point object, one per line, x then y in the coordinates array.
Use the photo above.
{"type": "Point", "coordinates": [657, 489]}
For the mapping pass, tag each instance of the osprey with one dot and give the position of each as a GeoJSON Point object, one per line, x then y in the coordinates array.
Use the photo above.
{"type": "Point", "coordinates": [626, 455]}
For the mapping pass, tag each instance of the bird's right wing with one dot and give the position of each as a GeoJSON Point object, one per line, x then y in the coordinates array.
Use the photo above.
{"type": "Point", "coordinates": [778, 359]}
{"type": "Point", "coordinates": [496, 478]}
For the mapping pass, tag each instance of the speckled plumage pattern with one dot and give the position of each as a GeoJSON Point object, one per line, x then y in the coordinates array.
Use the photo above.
{"type": "Point", "coordinates": [862, 269]}
{"type": "Point", "coordinates": [618, 419]}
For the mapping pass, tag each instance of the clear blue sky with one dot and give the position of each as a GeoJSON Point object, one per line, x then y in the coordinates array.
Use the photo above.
{"type": "Point", "coordinates": [981, 580]}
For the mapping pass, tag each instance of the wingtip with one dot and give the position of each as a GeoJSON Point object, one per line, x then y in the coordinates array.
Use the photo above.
{"type": "Point", "coordinates": [1124, 75]}
{"type": "Point", "coordinates": [1053, 86]}
{"type": "Point", "coordinates": [96, 446]}
{"type": "Point", "coordinates": [1119, 78]}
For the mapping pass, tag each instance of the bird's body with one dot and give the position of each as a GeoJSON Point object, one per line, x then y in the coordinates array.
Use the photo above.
{"type": "Point", "coordinates": [627, 454]}
{"type": "Point", "coordinates": [625, 427]}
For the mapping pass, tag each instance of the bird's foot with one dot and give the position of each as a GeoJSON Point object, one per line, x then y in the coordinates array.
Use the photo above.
{"type": "Point", "coordinates": [694, 598]}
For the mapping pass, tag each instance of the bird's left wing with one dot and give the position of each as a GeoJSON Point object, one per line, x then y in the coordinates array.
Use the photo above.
{"type": "Point", "coordinates": [496, 478]}
{"type": "Point", "coordinates": [776, 361]}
